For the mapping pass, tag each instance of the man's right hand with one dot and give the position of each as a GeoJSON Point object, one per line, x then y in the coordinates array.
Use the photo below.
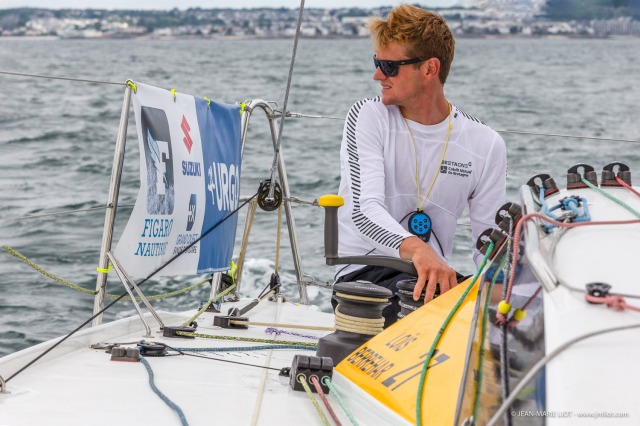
{"type": "Point", "coordinates": [430, 267]}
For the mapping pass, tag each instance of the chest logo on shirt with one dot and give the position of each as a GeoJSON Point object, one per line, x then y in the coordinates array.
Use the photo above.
{"type": "Point", "coordinates": [456, 169]}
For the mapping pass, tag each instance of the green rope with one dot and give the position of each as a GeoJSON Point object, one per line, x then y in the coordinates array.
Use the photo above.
{"type": "Point", "coordinates": [244, 339]}
{"type": "Point", "coordinates": [485, 318]}
{"type": "Point", "coordinates": [327, 381]}
{"type": "Point", "coordinates": [76, 287]}
{"type": "Point", "coordinates": [206, 305]}
{"type": "Point", "coordinates": [445, 324]}
{"type": "Point", "coordinates": [302, 379]}
{"type": "Point", "coordinates": [47, 274]}
{"type": "Point", "coordinates": [163, 295]}
{"type": "Point", "coordinates": [245, 348]}
{"type": "Point", "coordinates": [612, 198]}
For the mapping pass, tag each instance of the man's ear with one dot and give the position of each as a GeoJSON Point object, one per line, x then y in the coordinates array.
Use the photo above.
{"type": "Point", "coordinates": [432, 67]}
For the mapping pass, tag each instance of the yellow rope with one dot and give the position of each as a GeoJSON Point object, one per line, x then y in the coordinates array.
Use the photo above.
{"type": "Point", "coordinates": [206, 305]}
{"type": "Point", "coordinates": [368, 326]}
{"type": "Point", "coordinates": [363, 298]}
{"type": "Point", "coordinates": [244, 339]}
{"type": "Point", "coordinates": [163, 295]}
{"type": "Point", "coordinates": [302, 379]}
{"type": "Point", "coordinates": [268, 324]}
{"type": "Point", "coordinates": [76, 287]}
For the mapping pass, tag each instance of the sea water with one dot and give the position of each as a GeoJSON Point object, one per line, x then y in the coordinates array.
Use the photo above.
{"type": "Point", "coordinates": [57, 141]}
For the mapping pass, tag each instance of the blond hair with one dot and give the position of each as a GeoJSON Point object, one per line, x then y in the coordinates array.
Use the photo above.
{"type": "Point", "coordinates": [424, 33]}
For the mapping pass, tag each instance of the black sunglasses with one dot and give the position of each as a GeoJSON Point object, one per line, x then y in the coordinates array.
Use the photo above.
{"type": "Point", "coordinates": [390, 68]}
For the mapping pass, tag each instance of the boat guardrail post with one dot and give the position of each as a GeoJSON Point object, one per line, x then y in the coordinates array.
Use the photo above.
{"type": "Point", "coordinates": [3, 386]}
{"type": "Point", "coordinates": [126, 281]}
{"type": "Point", "coordinates": [284, 184]}
{"type": "Point", "coordinates": [112, 204]}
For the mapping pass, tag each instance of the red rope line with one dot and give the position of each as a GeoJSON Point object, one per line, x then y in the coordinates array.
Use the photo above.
{"type": "Point", "coordinates": [614, 302]}
{"type": "Point", "coordinates": [626, 185]}
{"type": "Point", "coordinates": [516, 246]}
{"type": "Point", "coordinates": [316, 384]}
{"type": "Point", "coordinates": [530, 216]}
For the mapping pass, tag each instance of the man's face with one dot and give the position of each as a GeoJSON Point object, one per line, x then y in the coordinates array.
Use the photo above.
{"type": "Point", "coordinates": [407, 85]}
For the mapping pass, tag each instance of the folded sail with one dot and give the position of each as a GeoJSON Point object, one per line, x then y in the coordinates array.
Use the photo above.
{"type": "Point", "coordinates": [190, 155]}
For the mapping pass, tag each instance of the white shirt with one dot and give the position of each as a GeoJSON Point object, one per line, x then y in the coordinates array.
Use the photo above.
{"type": "Point", "coordinates": [378, 180]}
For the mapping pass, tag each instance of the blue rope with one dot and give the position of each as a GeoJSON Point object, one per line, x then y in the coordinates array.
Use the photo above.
{"type": "Point", "coordinates": [244, 348]}
{"type": "Point", "coordinates": [162, 396]}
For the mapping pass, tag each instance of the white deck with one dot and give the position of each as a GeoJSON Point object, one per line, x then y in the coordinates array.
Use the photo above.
{"type": "Point", "coordinates": [76, 385]}
{"type": "Point", "coordinates": [596, 376]}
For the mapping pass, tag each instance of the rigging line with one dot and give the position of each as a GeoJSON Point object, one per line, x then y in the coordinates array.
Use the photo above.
{"type": "Point", "coordinates": [103, 310]}
{"type": "Point", "coordinates": [544, 361]}
{"type": "Point", "coordinates": [299, 115]}
{"type": "Point", "coordinates": [35, 216]}
{"type": "Point", "coordinates": [286, 100]}
{"type": "Point", "coordinates": [524, 132]}
{"type": "Point", "coordinates": [223, 360]}
{"type": "Point", "coordinates": [80, 80]}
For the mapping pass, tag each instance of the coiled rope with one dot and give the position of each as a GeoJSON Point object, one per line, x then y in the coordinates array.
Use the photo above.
{"type": "Point", "coordinates": [352, 324]}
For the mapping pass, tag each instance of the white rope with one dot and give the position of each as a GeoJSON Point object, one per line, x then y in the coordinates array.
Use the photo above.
{"type": "Point", "coordinates": [267, 363]}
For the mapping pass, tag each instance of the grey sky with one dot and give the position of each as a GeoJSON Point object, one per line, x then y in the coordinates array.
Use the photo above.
{"type": "Point", "coordinates": [184, 4]}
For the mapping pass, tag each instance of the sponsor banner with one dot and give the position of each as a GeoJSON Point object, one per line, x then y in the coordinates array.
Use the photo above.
{"type": "Point", "coordinates": [190, 153]}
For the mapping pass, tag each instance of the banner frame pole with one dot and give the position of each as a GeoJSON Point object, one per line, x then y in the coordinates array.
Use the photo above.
{"type": "Point", "coordinates": [112, 205]}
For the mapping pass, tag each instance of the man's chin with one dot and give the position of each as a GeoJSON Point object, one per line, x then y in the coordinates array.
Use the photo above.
{"type": "Point", "coordinates": [387, 100]}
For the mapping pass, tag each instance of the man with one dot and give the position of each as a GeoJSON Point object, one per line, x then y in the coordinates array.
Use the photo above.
{"type": "Point", "coordinates": [411, 161]}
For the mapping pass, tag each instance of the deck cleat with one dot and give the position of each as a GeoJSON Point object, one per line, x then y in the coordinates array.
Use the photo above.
{"type": "Point", "coordinates": [599, 290]}
{"type": "Point", "coordinates": [609, 175]}
{"type": "Point", "coordinates": [509, 212]}
{"type": "Point", "coordinates": [574, 178]}
{"type": "Point", "coordinates": [170, 331]}
{"type": "Point", "coordinates": [121, 354]}
{"type": "Point", "coordinates": [547, 182]}
{"type": "Point", "coordinates": [310, 366]}
{"type": "Point", "coordinates": [499, 240]}
{"type": "Point", "coordinates": [230, 321]}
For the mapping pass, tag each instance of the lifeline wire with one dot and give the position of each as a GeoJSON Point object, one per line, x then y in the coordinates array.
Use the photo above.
{"type": "Point", "coordinates": [80, 80]}
{"type": "Point", "coordinates": [162, 396]}
{"type": "Point", "coordinates": [90, 209]}
{"type": "Point", "coordinates": [55, 345]}
{"type": "Point", "coordinates": [538, 366]}
{"type": "Point", "coordinates": [223, 360]}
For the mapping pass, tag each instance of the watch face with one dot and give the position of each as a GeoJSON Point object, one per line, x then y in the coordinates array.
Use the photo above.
{"type": "Point", "coordinates": [420, 225]}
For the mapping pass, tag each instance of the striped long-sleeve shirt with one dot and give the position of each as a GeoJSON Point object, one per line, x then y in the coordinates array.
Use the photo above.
{"type": "Point", "coordinates": [378, 179]}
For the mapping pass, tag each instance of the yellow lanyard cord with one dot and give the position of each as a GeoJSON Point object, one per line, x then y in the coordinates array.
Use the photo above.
{"type": "Point", "coordinates": [415, 152]}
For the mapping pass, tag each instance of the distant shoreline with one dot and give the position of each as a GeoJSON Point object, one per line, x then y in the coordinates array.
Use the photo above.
{"type": "Point", "coordinates": [332, 37]}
